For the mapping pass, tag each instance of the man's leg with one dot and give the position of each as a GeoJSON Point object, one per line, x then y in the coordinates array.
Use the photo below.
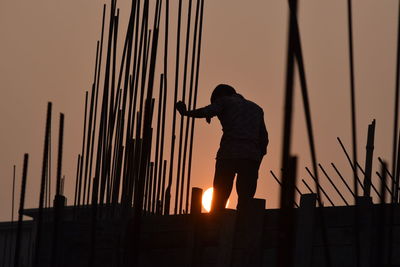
{"type": "Point", "coordinates": [246, 182]}
{"type": "Point", "coordinates": [223, 182]}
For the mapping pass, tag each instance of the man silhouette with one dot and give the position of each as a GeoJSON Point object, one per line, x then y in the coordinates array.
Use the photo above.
{"type": "Point", "coordinates": [242, 147]}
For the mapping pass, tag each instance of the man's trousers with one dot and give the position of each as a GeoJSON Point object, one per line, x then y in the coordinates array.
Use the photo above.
{"type": "Point", "coordinates": [246, 181]}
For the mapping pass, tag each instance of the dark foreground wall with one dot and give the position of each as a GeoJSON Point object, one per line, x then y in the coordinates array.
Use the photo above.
{"type": "Point", "coordinates": [249, 238]}
{"type": "Point", "coordinates": [8, 232]}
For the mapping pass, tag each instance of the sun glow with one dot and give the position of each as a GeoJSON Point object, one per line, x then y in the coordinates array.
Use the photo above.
{"type": "Point", "coordinates": [207, 199]}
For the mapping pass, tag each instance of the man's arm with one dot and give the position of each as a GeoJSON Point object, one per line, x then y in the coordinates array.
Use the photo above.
{"type": "Point", "coordinates": [205, 112]}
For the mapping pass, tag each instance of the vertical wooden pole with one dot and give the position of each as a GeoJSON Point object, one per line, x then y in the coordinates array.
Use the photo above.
{"type": "Point", "coordinates": [195, 203]}
{"type": "Point", "coordinates": [369, 158]}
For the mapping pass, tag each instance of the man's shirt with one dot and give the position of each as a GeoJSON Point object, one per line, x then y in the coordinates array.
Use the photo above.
{"type": "Point", "coordinates": [244, 132]}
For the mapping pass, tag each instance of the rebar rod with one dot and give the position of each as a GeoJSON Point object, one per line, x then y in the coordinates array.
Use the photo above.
{"type": "Point", "coordinates": [303, 82]}
{"type": "Point", "coordinates": [352, 94]}
{"type": "Point", "coordinates": [287, 218]}
{"type": "Point", "coordinates": [388, 172]}
{"type": "Point", "coordinates": [114, 108]}
{"type": "Point", "coordinates": [48, 177]}
{"type": "Point", "coordinates": [396, 100]}
{"type": "Point", "coordinates": [83, 150]}
{"type": "Point", "coordinates": [78, 164]}
{"type": "Point", "coordinates": [95, 107]}
{"type": "Point", "coordinates": [156, 185]}
{"type": "Point", "coordinates": [288, 179]}
{"type": "Point", "coordinates": [178, 182]}
{"type": "Point", "coordinates": [333, 184]}
{"type": "Point", "coordinates": [90, 130]}
{"type": "Point", "coordinates": [165, 80]}
{"type": "Point", "coordinates": [134, 78]}
{"type": "Point", "coordinates": [60, 151]}
{"type": "Point", "coordinates": [57, 198]}
{"type": "Point", "coordinates": [173, 137]}
{"type": "Point", "coordinates": [139, 188]}
{"type": "Point", "coordinates": [41, 197]}
{"type": "Point", "coordinates": [305, 98]}
{"type": "Point", "coordinates": [385, 186]}
{"type": "Point", "coordinates": [320, 187]}
{"type": "Point", "coordinates": [20, 212]}
{"type": "Point", "coordinates": [277, 180]}
{"type": "Point", "coordinates": [381, 229]}
{"type": "Point", "coordinates": [160, 190]}
{"type": "Point", "coordinates": [117, 160]}
{"type": "Point", "coordinates": [150, 179]}
{"type": "Point", "coordinates": [132, 151]}
{"type": "Point", "coordinates": [189, 106]}
{"type": "Point", "coordinates": [13, 196]}
{"type": "Point", "coordinates": [166, 39]}
{"type": "Point", "coordinates": [308, 187]}
{"type": "Point", "coordinates": [100, 146]}
{"type": "Point", "coordinates": [194, 104]}
{"type": "Point", "coordinates": [145, 44]}
{"type": "Point", "coordinates": [353, 167]}
{"type": "Point", "coordinates": [105, 109]}
{"type": "Point", "coordinates": [353, 127]}
{"type": "Point", "coordinates": [164, 175]}
{"type": "Point", "coordinates": [88, 141]}
{"type": "Point", "coordinates": [135, 12]}
{"type": "Point", "coordinates": [397, 174]}
{"type": "Point", "coordinates": [62, 185]}
{"type": "Point", "coordinates": [343, 180]}
{"type": "Point", "coordinates": [372, 185]}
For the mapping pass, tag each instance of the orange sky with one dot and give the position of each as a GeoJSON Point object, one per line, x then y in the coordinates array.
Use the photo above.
{"type": "Point", "coordinates": [47, 53]}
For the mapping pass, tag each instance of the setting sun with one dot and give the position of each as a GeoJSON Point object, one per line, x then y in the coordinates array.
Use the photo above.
{"type": "Point", "coordinates": [207, 199]}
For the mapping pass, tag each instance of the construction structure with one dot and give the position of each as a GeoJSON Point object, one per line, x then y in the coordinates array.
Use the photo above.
{"type": "Point", "coordinates": [133, 203]}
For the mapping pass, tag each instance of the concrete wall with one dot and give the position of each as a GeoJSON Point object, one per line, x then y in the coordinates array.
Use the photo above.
{"type": "Point", "coordinates": [8, 233]}
{"type": "Point", "coordinates": [247, 238]}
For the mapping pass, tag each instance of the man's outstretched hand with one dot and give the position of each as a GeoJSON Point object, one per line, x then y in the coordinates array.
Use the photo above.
{"type": "Point", "coordinates": [181, 107]}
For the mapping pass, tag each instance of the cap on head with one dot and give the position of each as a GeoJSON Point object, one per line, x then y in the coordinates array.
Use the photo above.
{"type": "Point", "coordinates": [222, 90]}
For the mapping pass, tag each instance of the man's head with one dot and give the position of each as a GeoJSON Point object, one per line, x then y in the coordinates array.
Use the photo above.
{"type": "Point", "coordinates": [222, 90]}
